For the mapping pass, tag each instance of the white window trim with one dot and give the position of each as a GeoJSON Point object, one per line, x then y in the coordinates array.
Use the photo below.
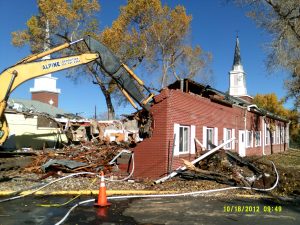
{"type": "Point", "coordinates": [267, 135]}
{"type": "Point", "coordinates": [191, 142]}
{"type": "Point", "coordinates": [249, 145]}
{"type": "Point", "coordinates": [226, 139]}
{"type": "Point", "coordinates": [233, 142]}
{"type": "Point", "coordinates": [188, 139]}
{"type": "Point", "coordinates": [216, 136]}
{"type": "Point", "coordinates": [278, 131]}
{"type": "Point", "coordinates": [215, 133]}
{"type": "Point", "coordinates": [204, 136]}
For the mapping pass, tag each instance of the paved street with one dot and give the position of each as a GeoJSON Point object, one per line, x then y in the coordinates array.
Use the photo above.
{"type": "Point", "coordinates": [181, 210]}
{"type": "Point", "coordinates": [211, 211]}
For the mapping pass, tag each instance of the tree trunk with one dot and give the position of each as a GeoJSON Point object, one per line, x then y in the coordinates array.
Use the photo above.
{"type": "Point", "coordinates": [110, 108]}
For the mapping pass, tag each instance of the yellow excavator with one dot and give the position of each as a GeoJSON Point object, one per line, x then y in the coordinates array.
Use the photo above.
{"type": "Point", "coordinates": [33, 66]}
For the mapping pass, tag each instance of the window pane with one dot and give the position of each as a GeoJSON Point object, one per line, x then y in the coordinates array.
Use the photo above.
{"type": "Point", "coordinates": [228, 136]}
{"type": "Point", "coordinates": [209, 137]}
{"type": "Point", "coordinates": [180, 139]}
{"type": "Point", "coordinates": [186, 139]}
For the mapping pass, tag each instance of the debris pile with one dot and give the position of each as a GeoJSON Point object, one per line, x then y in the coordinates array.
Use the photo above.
{"type": "Point", "coordinates": [228, 168]}
{"type": "Point", "coordinates": [86, 157]}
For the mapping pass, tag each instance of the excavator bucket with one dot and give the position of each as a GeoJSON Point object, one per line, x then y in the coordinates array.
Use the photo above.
{"type": "Point", "coordinates": [128, 82]}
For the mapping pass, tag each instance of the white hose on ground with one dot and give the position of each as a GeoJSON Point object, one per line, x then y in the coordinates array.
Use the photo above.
{"type": "Point", "coordinates": [54, 181]}
{"type": "Point", "coordinates": [126, 178]}
{"type": "Point", "coordinates": [70, 175]}
{"type": "Point", "coordinates": [173, 195]}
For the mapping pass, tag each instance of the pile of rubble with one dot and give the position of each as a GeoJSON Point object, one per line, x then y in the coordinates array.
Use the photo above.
{"type": "Point", "coordinates": [228, 168]}
{"type": "Point", "coordinates": [86, 157]}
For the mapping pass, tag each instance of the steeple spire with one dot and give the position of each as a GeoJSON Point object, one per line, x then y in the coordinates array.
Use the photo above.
{"type": "Point", "coordinates": [237, 76]}
{"type": "Point", "coordinates": [237, 54]}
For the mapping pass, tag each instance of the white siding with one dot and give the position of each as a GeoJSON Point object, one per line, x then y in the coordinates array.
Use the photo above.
{"type": "Point", "coordinates": [176, 131]}
{"type": "Point", "coordinates": [193, 135]}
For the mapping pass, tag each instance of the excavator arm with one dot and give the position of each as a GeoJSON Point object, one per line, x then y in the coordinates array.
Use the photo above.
{"type": "Point", "coordinates": [28, 68]}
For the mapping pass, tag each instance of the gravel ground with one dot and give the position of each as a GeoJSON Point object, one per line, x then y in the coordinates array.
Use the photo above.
{"type": "Point", "coordinates": [24, 181]}
{"type": "Point", "coordinates": [17, 179]}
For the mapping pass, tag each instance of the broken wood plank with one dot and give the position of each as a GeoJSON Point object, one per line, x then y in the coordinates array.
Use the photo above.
{"type": "Point", "coordinates": [199, 143]}
{"type": "Point", "coordinates": [174, 173]}
{"type": "Point", "coordinates": [244, 162]}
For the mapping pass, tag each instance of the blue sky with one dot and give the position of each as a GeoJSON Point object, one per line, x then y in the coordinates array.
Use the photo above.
{"type": "Point", "coordinates": [214, 28]}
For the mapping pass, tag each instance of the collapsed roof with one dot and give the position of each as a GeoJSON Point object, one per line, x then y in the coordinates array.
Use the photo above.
{"type": "Point", "coordinates": [190, 86]}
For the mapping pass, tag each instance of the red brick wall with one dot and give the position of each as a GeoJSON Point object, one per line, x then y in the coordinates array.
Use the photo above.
{"type": "Point", "coordinates": [174, 106]}
{"type": "Point", "coordinates": [45, 97]}
{"type": "Point", "coordinates": [151, 154]}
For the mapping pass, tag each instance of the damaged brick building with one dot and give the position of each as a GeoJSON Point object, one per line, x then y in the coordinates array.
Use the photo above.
{"type": "Point", "coordinates": [187, 111]}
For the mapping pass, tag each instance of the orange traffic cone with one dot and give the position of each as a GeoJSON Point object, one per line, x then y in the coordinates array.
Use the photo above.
{"type": "Point", "coordinates": [102, 199]}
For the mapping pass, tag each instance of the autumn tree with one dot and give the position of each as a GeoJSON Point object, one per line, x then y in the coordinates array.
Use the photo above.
{"type": "Point", "coordinates": [66, 20]}
{"type": "Point", "coordinates": [281, 19]}
{"type": "Point", "coordinates": [271, 103]}
{"type": "Point", "coordinates": [155, 35]}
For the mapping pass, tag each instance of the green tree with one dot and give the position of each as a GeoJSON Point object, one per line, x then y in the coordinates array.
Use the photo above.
{"type": "Point", "coordinates": [148, 32]}
{"type": "Point", "coordinates": [281, 19]}
{"type": "Point", "coordinates": [66, 20]}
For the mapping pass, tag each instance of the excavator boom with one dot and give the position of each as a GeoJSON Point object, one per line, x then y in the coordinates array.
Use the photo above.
{"type": "Point", "coordinates": [28, 68]}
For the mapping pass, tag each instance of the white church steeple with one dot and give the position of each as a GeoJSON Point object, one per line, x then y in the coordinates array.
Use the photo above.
{"type": "Point", "coordinates": [44, 89]}
{"type": "Point", "coordinates": [237, 76]}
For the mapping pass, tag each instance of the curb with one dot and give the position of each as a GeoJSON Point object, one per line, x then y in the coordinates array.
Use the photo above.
{"type": "Point", "coordinates": [125, 192]}
{"type": "Point", "coordinates": [89, 192]}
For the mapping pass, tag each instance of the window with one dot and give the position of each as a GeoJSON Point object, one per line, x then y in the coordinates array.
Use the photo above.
{"type": "Point", "coordinates": [249, 139]}
{"type": "Point", "coordinates": [257, 138]}
{"type": "Point", "coordinates": [267, 135]}
{"type": "Point", "coordinates": [184, 137]}
{"type": "Point", "coordinates": [281, 135]}
{"type": "Point", "coordinates": [227, 136]}
{"type": "Point", "coordinates": [278, 130]}
{"type": "Point", "coordinates": [209, 138]}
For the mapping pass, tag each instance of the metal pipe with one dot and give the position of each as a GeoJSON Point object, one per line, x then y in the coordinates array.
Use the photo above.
{"type": "Point", "coordinates": [129, 98]}
{"type": "Point", "coordinates": [181, 84]}
{"type": "Point", "coordinates": [74, 42]}
{"type": "Point", "coordinates": [133, 74]}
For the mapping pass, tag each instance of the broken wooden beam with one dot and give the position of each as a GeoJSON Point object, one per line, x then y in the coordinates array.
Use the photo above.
{"type": "Point", "coordinates": [182, 168]}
